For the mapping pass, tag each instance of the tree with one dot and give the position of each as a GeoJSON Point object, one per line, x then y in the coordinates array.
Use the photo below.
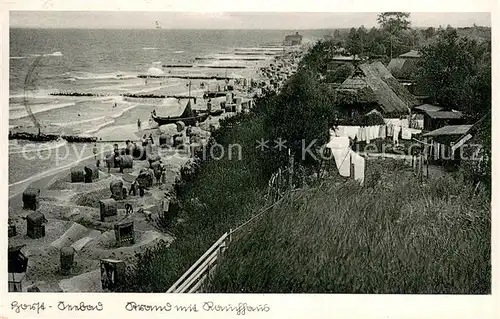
{"type": "Point", "coordinates": [456, 72]}
{"type": "Point", "coordinates": [393, 23]}
{"type": "Point", "coordinates": [429, 32]}
{"type": "Point", "coordinates": [340, 74]}
{"type": "Point", "coordinates": [355, 43]}
{"type": "Point", "coordinates": [301, 116]}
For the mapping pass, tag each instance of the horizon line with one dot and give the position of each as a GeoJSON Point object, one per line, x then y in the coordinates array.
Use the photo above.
{"type": "Point", "coordinates": [235, 29]}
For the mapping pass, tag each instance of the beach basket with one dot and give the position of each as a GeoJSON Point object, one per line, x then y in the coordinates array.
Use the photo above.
{"type": "Point", "coordinates": [30, 198]}
{"type": "Point", "coordinates": [126, 161]}
{"type": "Point", "coordinates": [112, 273]}
{"type": "Point", "coordinates": [35, 225]}
{"type": "Point", "coordinates": [155, 166]}
{"type": "Point", "coordinates": [12, 230]}
{"type": "Point", "coordinates": [180, 126]}
{"type": "Point", "coordinates": [153, 158]}
{"type": "Point", "coordinates": [145, 178]}
{"type": "Point", "coordinates": [17, 261]}
{"type": "Point", "coordinates": [108, 209]}
{"type": "Point", "coordinates": [139, 153]}
{"type": "Point", "coordinates": [91, 173]}
{"type": "Point", "coordinates": [163, 139]}
{"type": "Point", "coordinates": [67, 258]}
{"type": "Point", "coordinates": [116, 188]}
{"type": "Point", "coordinates": [124, 233]}
{"type": "Point", "coordinates": [77, 175]}
{"type": "Point", "coordinates": [178, 140]}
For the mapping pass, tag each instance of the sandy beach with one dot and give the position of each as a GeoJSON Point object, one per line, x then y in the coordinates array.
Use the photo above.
{"type": "Point", "coordinates": [72, 210]}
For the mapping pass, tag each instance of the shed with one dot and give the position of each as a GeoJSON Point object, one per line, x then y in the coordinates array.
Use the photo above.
{"type": "Point", "coordinates": [434, 120]}
{"type": "Point", "coordinates": [442, 141]}
{"type": "Point", "coordinates": [424, 108]}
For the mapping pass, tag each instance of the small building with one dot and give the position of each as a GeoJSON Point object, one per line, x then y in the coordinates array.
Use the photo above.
{"type": "Point", "coordinates": [424, 108]}
{"type": "Point", "coordinates": [293, 39]}
{"type": "Point", "coordinates": [434, 120]}
{"type": "Point", "coordinates": [441, 143]}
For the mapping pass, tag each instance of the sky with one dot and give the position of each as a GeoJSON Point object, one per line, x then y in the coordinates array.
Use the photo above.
{"type": "Point", "coordinates": [229, 20]}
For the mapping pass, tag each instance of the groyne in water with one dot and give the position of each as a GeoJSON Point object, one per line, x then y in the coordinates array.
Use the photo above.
{"type": "Point", "coordinates": [187, 77]}
{"type": "Point", "coordinates": [157, 96]}
{"type": "Point", "coordinates": [205, 66]}
{"type": "Point", "coordinates": [77, 94]}
{"type": "Point", "coordinates": [35, 137]}
{"type": "Point", "coordinates": [233, 59]}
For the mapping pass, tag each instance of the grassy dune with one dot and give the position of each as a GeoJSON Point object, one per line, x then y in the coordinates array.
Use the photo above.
{"type": "Point", "coordinates": [393, 236]}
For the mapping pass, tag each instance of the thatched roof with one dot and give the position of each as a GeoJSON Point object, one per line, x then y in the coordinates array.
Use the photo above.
{"type": "Point", "coordinates": [388, 93]}
{"type": "Point", "coordinates": [403, 68]}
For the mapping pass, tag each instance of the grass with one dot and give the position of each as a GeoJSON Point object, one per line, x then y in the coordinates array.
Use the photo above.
{"type": "Point", "coordinates": [221, 195]}
{"type": "Point", "coordinates": [395, 236]}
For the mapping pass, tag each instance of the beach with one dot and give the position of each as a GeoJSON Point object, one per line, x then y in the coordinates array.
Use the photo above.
{"type": "Point", "coordinates": [108, 106]}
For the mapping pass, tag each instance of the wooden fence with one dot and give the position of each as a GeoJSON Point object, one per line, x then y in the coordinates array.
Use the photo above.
{"type": "Point", "coordinates": [197, 276]}
{"type": "Point", "coordinates": [194, 279]}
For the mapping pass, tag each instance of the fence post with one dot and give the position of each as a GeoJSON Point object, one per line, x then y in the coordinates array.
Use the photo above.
{"type": "Point", "coordinates": [290, 171]}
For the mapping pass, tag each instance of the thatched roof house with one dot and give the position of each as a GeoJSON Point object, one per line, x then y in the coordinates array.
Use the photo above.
{"type": "Point", "coordinates": [403, 69]}
{"type": "Point", "coordinates": [373, 86]}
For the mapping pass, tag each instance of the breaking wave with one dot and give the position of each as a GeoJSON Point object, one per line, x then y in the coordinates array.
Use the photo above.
{"type": "Point", "coordinates": [79, 122]}
{"type": "Point", "coordinates": [72, 76]}
{"type": "Point", "coordinates": [41, 147]}
{"type": "Point", "coordinates": [97, 128]}
{"type": "Point", "coordinates": [150, 48]}
{"type": "Point", "coordinates": [45, 108]}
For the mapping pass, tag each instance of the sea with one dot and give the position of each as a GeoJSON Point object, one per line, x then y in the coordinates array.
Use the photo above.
{"type": "Point", "coordinates": [107, 63]}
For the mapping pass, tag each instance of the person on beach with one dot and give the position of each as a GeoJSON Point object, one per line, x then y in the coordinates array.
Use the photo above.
{"type": "Point", "coordinates": [114, 105]}
{"type": "Point", "coordinates": [94, 150]}
{"type": "Point", "coordinates": [209, 105]}
{"type": "Point", "coordinates": [151, 138]}
{"type": "Point", "coordinates": [163, 176]}
{"type": "Point", "coordinates": [133, 189]}
{"type": "Point", "coordinates": [139, 124]}
{"type": "Point", "coordinates": [108, 164]}
{"type": "Point", "coordinates": [144, 140]}
{"type": "Point", "coordinates": [128, 209]}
